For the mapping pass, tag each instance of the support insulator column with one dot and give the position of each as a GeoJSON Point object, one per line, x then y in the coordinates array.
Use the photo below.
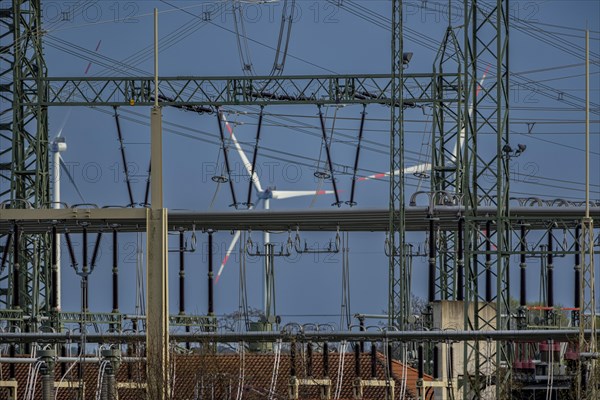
{"type": "Point", "coordinates": [46, 357]}
{"type": "Point", "coordinates": [521, 317]}
{"type": "Point", "coordinates": [211, 306]}
{"type": "Point", "coordinates": [55, 277]}
{"type": "Point", "coordinates": [109, 387]}
{"type": "Point", "coordinates": [309, 360]}
{"type": "Point", "coordinates": [436, 362]}
{"type": "Point", "coordinates": [84, 273]}
{"type": "Point", "coordinates": [181, 273]}
{"type": "Point", "coordinates": [16, 299]}
{"type": "Point", "coordinates": [357, 352]}
{"type": "Point", "coordinates": [550, 267]}
{"type": "Point", "coordinates": [115, 272]}
{"type": "Point", "coordinates": [488, 261]}
{"type": "Point", "coordinates": [325, 360]}
{"type": "Point", "coordinates": [373, 361]}
{"type": "Point", "coordinates": [361, 322]}
{"type": "Point", "coordinates": [523, 265]}
{"type": "Point", "coordinates": [577, 292]}
{"type": "Point", "coordinates": [460, 279]}
{"type": "Point", "coordinates": [432, 254]}
{"type": "Point", "coordinates": [293, 359]}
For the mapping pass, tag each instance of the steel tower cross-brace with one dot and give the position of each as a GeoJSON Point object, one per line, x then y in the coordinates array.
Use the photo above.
{"type": "Point", "coordinates": [24, 180]}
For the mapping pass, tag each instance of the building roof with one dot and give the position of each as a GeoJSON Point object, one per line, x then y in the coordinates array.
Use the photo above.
{"type": "Point", "coordinates": [216, 375]}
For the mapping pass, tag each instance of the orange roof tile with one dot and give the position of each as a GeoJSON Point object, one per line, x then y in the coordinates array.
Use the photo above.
{"type": "Point", "coordinates": [205, 375]}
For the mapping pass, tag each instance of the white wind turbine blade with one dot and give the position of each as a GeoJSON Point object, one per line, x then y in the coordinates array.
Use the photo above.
{"type": "Point", "coordinates": [234, 241]}
{"type": "Point", "coordinates": [426, 168]}
{"type": "Point", "coordinates": [415, 169]}
{"type": "Point", "coordinates": [64, 122]}
{"type": "Point", "coordinates": [288, 194]}
{"type": "Point", "coordinates": [245, 161]}
{"type": "Point", "coordinates": [461, 135]}
{"type": "Point", "coordinates": [66, 171]}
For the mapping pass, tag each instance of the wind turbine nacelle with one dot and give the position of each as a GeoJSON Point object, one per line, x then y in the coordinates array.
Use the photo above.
{"type": "Point", "coordinates": [267, 193]}
{"type": "Point", "coordinates": [59, 145]}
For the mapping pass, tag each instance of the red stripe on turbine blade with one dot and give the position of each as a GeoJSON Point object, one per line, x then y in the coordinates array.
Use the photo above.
{"type": "Point", "coordinates": [87, 69]}
{"type": "Point", "coordinates": [221, 268]}
{"type": "Point", "coordinates": [321, 191]}
{"type": "Point", "coordinates": [377, 176]}
{"type": "Point", "coordinates": [482, 78]}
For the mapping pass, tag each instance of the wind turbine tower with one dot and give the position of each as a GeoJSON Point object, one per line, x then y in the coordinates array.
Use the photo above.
{"type": "Point", "coordinates": [59, 145]}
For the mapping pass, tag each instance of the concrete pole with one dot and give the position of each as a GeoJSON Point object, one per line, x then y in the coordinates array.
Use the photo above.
{"type": "Point", "coordinates": [587, 124]}
{"type": "Point", "coordinates": [157, 323]}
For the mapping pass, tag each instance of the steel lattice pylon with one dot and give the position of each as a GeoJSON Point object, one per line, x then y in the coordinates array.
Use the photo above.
{"type": "Point", "coordinates": [587, 380]}
{"type": "Point", "coordinates": [399, 289]}
{"type": "Point", "coordinates": [24, 181]}
{"type": "Point", "coordinates": [25, 92]}
{"type": "Point", "coordinates": [486, 45]}
{"type": "Point", "coordinates": [448, 166]}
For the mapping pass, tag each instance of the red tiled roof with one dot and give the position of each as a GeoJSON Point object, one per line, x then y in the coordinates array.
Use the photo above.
{"type": "Point", "coordinates": [202, 375]}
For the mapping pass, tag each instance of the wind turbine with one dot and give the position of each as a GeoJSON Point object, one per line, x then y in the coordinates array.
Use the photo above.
{"type": "Point", "coordinates": [265, 196]}
{"type": "Point", "coordinates": [58, 146]}
{"type": "Point", "coordinates": [268, 194]}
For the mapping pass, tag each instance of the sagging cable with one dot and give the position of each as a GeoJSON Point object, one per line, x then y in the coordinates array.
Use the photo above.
{"type": "Point", "coordinates": [226, 157]}
{"type": "Point", "coordinates": [351, 202]}
{"type": "Point", "coordinates": [147, 191]}
{"type": "Point", "coordinates": [249, 203]}
{"type": "Point", "coordinates": [96, 251]}
{"type": "Point", "coordinates": [123, 158]}
{"type": "Point", "coordinates": [253, 249]}
{"type": "Point", "coordinates": [74, 263]}
{"type": "Point", "coordinates": [329, 161]}
{"type": "Point", "coordinates": [332, 247]}
{"type": "Point", "coordinates": [285, 32]}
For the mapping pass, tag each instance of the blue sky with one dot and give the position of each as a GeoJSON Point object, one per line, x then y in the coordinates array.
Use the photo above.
{"type": "Point", "coordinates": [325, 39]}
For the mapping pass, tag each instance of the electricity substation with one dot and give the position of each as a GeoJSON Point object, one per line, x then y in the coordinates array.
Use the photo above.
{"type": "Point", "coordinates": [477, 335]}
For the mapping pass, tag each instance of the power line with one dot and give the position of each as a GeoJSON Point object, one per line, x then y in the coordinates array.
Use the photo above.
{"type": "Point", "coordinates": [252, 40]}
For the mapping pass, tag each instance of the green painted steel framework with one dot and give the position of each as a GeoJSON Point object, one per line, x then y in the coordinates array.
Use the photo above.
{"type": "Point", "coordinates": [456, 178]}
{"type": "Point", "coordinates": [231, 91]}
{"type": "Point", "coordinates": [23, 149]}
{"type": "Point", "coordinates": [486, 46]}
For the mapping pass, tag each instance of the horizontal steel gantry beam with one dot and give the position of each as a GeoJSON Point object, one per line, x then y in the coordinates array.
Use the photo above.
{"type": "Point", "coordinates": [350, 220]}
{"type": "Point", "coordinates": [564, 335]}
{"type": "Point", "coordinates": [200, 93]}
